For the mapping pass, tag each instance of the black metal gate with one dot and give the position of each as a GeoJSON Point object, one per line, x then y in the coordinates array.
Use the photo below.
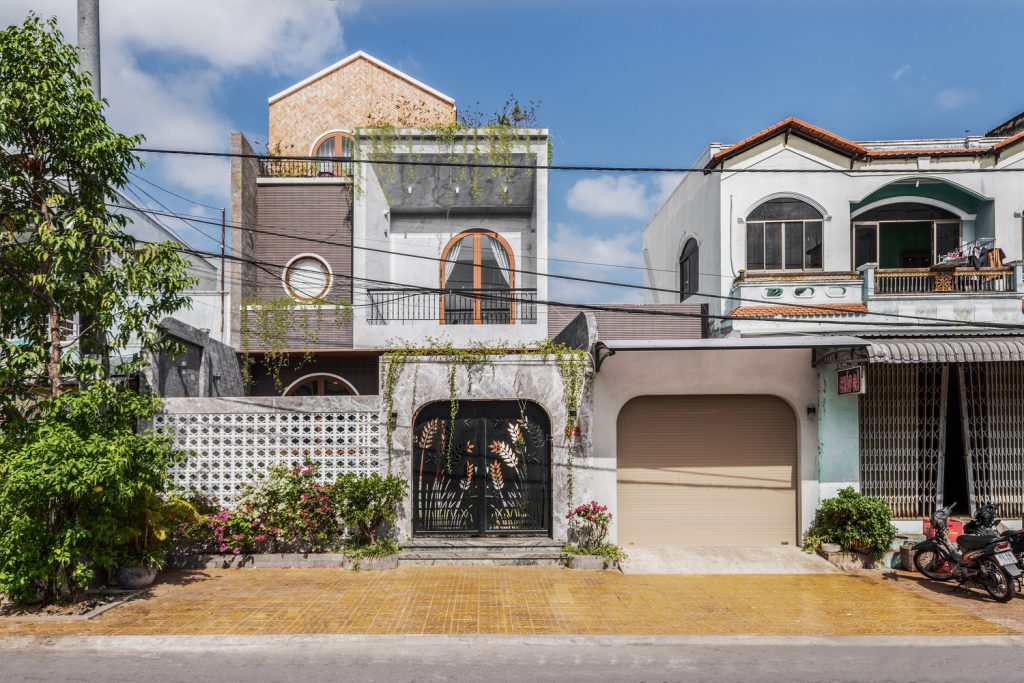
{"type": "Point", "coordinates": [487, 472]}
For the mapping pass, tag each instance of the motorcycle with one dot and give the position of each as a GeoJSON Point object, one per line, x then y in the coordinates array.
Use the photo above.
{"type": "Point", "coordinates": [982, 559]}
{"type": "Point", "coordinates": [985, 523]}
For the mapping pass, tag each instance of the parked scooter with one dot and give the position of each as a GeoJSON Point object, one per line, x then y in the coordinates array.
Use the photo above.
{"type": "Point", "coordinates": [985, 523]}
{"type": "Point", "coordinates": [984, 560]}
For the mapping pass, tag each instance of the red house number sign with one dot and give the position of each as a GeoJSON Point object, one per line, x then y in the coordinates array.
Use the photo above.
{"type": "Point", "coordinates": [851, 380]}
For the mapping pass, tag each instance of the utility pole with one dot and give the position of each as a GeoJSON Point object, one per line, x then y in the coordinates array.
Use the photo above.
{"type": "Point", "coordinates": [89, 41]}
{"type": "Point", "coordinates": [89, 62]}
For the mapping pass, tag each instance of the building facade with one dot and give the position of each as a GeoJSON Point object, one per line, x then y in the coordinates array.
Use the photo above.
{"type": "Point", "coordinates": [910, 249]}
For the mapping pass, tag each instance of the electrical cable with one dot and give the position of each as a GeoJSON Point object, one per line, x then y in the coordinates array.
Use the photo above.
{"type": "Point", "coordinates": [612, 283]}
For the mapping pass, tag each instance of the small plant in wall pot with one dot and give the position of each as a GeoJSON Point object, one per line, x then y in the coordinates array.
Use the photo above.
{"type": "Point", "coordinates": [587, 547]}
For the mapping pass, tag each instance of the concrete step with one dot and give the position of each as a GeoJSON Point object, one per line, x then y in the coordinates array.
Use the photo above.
{"type": "Point", "coordinates": [481, 551]}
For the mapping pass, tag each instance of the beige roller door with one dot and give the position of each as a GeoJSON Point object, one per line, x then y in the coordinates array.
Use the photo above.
{"type": "Point", "coordinates": [707, 470]}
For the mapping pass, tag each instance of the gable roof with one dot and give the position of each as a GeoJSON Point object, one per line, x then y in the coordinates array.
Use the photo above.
{"type": "Point", "coordinates": [848, 148]}
{"type": "Point", "coordinates": [348, 60]}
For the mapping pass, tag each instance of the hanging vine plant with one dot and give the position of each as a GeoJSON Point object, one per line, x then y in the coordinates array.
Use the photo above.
{"type": "Point", "coordinates": [265, 327]}
{"type": "Point", "coordinates": [572, 364]}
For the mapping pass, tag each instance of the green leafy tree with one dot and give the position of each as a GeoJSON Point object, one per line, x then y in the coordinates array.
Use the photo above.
{"type": "Point", "coordinates": [73, 482]}
{"type": "Point", "coordinates": [63, 249]}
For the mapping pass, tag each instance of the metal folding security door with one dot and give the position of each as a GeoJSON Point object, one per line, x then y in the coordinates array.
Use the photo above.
{"type": "Point", "coordinates": [902, 436]}
{"type": "Point", "coordinates": [992, 400]}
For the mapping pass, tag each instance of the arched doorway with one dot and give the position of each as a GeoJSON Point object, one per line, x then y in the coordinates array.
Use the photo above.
{"type": "Point", "coordinates": [485, 473]}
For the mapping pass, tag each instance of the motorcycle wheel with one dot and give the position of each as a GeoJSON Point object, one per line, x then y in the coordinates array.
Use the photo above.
{"type": "Point", "coordinates": [930, 563]}
{"type": "Point", "coordinates": [1005, 587]}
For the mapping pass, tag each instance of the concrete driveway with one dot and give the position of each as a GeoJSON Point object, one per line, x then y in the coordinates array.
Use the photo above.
{"type": "Point", "coordinates": [723, 560]}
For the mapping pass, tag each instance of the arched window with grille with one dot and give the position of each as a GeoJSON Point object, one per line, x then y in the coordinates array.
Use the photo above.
{"type": "Point", "coordinates": [784, 234]}
{"type": "Point", "coordinates": [478, 276]}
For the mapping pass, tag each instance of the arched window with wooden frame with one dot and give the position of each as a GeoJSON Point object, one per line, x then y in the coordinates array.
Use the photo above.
{"type": "Point", "coordinates": [335, 143]}
{"type": "Point", "coordinates": [478, 276]}
{"type": "Point", "coordinates": [321, 384]}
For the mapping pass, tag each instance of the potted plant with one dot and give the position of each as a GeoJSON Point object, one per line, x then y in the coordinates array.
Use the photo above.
{"type": "Point", "coordinates": [143, 553]}
{"type": "Point", "coordinates": [853, 522]}
{"type": "Point", "coordinates": [588, 529]}
{"type": "Point", "coordinates": [367, 505]}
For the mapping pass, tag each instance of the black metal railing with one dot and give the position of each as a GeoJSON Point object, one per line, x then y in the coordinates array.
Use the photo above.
{"type": "Point", "coordinates": [461, 307]}
{"type": "Point", "coordinates": [273, 167]}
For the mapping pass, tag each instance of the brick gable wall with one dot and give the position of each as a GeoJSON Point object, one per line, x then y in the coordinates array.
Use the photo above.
{"type": "Point", "coordinates": [357, 95]}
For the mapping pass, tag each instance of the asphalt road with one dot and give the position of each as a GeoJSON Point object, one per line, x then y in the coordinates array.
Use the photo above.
{"type": "Point", "coordinates": [493, 659]}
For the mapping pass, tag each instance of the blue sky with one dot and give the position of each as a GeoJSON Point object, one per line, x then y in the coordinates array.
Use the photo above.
{"type": "Point", "coordinates": [640, 83]}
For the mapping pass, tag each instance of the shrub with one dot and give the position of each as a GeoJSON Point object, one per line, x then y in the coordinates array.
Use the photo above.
{"type": "Point", "coordinates": [287, 510]}
{"type": "Point", "coordinates": [588, 524]}
{"type": "Point", "coordinates": [368, 503]}
{"type": "Point", "coordinates": [852, 521]}
{"type": "Point", "coordinates": [71, 481]}
{"type": "Point", "coordinates": [149, 529]}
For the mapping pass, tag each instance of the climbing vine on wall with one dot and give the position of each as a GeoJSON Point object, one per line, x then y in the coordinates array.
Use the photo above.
{"type": "Point", "coordinates": [572, 364]}
{"type": "Point", "coordinates": [471, 140]}
{"type": "Point", "coordinates": [266, 325]}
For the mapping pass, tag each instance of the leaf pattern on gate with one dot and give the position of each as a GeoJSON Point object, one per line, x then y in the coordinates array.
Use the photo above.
{"type": "Point", "coordinates": [426, 435]}
{"type": "Point", "coordinates": [505, 452]}
{"type": "Point", "coordinates": [468, 481]}
{"type": "Point", "coordinates": [496, 477]}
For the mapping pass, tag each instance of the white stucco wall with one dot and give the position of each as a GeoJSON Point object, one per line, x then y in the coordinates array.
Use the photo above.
{"type": "Point", "coordinates": [691, 211]}
{"type": "Point", "coordinates": [784, 373]}
{"type": "Point", "coordinates": [427, 235]}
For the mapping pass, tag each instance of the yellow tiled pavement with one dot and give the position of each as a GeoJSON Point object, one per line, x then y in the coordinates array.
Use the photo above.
{"type": "Point", "coordinates": [517, 600]}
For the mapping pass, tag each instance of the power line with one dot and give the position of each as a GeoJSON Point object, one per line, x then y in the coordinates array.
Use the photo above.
{"type": "Point", "coordinates": [477, 294]}
{"type": "Point", "coordinates": [174, 194]}
{"type": "Point", "coordinates": [612, 283]}
{"type": "Point", "coordinates": [563, 167]}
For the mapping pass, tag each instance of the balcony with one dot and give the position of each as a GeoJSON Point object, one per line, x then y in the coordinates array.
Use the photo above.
{"type": "Point", "coordinates": [917, 281]}
{"type": "Point", "coordinates": [273, 167]}
{"type": "Point", "coordinates": [466, 307]}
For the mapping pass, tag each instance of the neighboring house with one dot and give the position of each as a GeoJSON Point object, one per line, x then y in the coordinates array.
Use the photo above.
{"type": "Point", "coordinates": [843, 245]}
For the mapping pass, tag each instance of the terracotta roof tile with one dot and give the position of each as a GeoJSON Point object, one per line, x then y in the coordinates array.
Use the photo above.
{"type": "Point", "coordinates": [798, 311]}
{"type": "Point", "coordinates": [846, 147]}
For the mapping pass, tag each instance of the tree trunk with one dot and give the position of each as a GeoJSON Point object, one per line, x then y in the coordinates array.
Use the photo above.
{"type": "Point", "coordinates": [53, 360]}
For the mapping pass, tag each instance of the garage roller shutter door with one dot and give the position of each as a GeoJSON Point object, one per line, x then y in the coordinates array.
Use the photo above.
{"type": "Point", "coordinates": [707, 470]}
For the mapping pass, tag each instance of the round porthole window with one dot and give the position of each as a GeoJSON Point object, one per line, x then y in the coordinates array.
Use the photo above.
{"type": "Point", "coordinates": [307, 277]}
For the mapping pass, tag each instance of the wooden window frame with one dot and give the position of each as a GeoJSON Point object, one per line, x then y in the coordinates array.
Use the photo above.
{"type": "Point", "coordinates": [320, 378]}
{"type": "Point", "coordinates": [339, 168]}
{"type": "Point", "coordinates": [689, 256]}
{"type": "Point", "coordinates": [477, 234]}
{"type": "Point", "coordinates": [854, 224]}
{"type": "Point", "coordinates": [288, 286]}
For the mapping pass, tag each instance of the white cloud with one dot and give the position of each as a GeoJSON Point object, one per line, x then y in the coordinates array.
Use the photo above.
{"type": "Point", "coordinates": [197, 47]}
{"type": "Point", "coordinates": [900, 72]}
{"type": "Point", "coordinates": [625, 195]}
{"type": "Point", "coordinates": [953, 98]}
{"type": "Point", "coordinates": [620, 250]}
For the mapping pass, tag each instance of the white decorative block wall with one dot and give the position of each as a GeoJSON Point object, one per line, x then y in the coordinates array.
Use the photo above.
{"type": "Point", "coordinates": [228, 450]}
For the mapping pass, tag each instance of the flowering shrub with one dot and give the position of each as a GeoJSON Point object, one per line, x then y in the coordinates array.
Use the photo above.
{"type": "Point", "coordinates": [588, 524]}
{"type": "Point", "coordinates": [286, 511]}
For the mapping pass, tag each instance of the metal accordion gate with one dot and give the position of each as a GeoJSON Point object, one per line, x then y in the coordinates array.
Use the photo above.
{"type": "Point", "coordinates": [485, 472]}
{"type": "Point", "coordinates": [903, 427]}
{"type": "Point", "coordinates": [992, 396]}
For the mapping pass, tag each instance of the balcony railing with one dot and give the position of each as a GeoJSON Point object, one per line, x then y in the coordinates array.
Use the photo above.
{"type": "Point", "coordinates": [273, 167]}
{"type": "Point", "coordinates": [466, 307]}
{"type": "Point", "coordinates": [959, 281]}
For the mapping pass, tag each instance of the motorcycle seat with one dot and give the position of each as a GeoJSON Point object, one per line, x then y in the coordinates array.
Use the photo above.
{"type": "Point", "coordinates": [974, 541]}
